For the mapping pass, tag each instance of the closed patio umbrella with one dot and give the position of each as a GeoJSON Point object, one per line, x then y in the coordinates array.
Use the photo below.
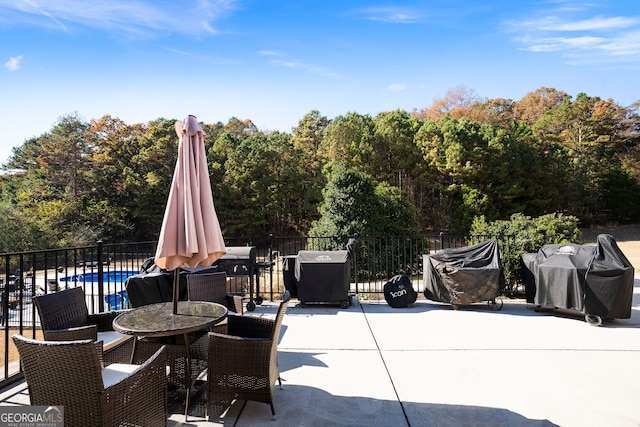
{"type": "Point", "coordinates": [190, 235]}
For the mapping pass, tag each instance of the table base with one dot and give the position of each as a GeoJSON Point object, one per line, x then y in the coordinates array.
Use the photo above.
{"type": "Point", "coordinates": [186, 358]}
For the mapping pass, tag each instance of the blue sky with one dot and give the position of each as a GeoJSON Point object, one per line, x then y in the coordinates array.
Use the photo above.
{"type": "Point", "coordinates": [275, 61]}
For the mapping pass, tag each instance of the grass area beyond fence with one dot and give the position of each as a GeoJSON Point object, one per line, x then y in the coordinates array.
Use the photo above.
{"type": "Point", "coordinates": [13, 351]}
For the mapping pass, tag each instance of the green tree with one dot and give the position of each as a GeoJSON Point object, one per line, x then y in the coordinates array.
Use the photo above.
{"type": "Point", "coordinates": [20, 231]}
{"type": "Point", "coordinates": [394, 156]}
{"type": "Point", "coordinates": [308, 135]}
{"type": "Point", "coordinates": [629, 141]}
{"type": "Point", "coordinates": [267, 187]}
{"type": "Point", "coordinates": [147, 177]}
{"type": "Point", "coordinates": [481, 169]}
{"type": "Point", "coordinates": [63, 157]}
{"type": "Point", "coordinates": [397, 215]}
{"type": "Point", "coordinates": [352, 204]}
{"type": "Point", "coordinates": [299, 186]}
{"type": "Point", "coordinates": [349, 139]}
{"type": "Point", "coordinates": [588, 128]}
{"type": "Point", "coordinates": [217, 156]}
{"type": "Point", "coordinates": [107, 205]}
{"type": "Point", "coordinates": [241, 128]}
{"type": "Point", "coordinates": [621, 197]}
{"type": "Point", "coordinates": [307, 162]}
{"type": "Point", "coordinates": [397, 160]}
{"type": "Point", "coordinates": [55, 185]}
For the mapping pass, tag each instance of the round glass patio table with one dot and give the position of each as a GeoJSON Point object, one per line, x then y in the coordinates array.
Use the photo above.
{"type": "Point", "coordinates": [157, 321]}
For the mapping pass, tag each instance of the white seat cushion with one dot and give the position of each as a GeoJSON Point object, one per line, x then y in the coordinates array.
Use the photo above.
{"type": "Point", "coordinates": [116, 372]}
{"type": "Point", "coordinates": [111, 339]}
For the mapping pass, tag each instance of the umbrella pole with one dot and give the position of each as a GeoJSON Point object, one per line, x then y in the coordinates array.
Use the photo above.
{"type": "Point", "coordinates": [176, 289]}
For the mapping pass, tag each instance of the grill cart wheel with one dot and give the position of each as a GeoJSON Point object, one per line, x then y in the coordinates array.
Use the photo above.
{"type": "Point", "coordinates": [495, 304]}
{"type": "Point", "coordinates": [593, 319]}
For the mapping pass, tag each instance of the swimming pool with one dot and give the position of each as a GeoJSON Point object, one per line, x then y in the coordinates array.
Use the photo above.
{"type": "Point", "coordinates": [112, 276]}
{"type": "Point", "coordinates": [115, 295]}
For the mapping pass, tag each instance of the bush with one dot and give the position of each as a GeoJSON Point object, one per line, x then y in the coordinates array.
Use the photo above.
{"type": "Point", "coordinates": [522, 234]}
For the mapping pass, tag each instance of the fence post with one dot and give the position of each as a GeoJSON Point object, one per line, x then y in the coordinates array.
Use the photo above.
{"type": "Point", "coordinates": [20, 284]}
{"type": "Point", "coordinates": [271, 262]}
{"type": "Point", "coordinates": [100, 277]}
{"type": "Point", "coordinates": [441, 240]}
{"type": "Point", "coordinates": [5, 300]}
{"type": "Point", "coordinates": [5, 315]}
{"type": "Point", "coordinates": [355, 261]}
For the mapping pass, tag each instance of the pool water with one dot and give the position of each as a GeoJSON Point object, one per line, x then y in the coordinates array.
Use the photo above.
{"type": "Point", "coordinates": [113, 276]}
{"type": "Point", "coordinates": [117, 301]}
{"type": "Point", "coordinates": [113, 300]}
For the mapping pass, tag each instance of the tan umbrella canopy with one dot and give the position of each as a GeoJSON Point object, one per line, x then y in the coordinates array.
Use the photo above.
{"type": "Point", "coordinates": [190, 235]}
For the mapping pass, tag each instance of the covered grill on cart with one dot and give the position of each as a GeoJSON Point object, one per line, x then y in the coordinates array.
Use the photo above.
{"type": "Point", "coordinates": [154, 285]}
{"type": "Point", "coordinates": [240, 261]}
{"type": "Point", "coordinates": [465, 275]}
{"type": "Point", "coordinates": [594, 280]}
{"type": "Point", "coordinates": [323, 277]}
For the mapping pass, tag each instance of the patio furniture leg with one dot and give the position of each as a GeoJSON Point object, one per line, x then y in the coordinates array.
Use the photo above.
{"type": "Point", "coordinates": [187, 372]}
{"type": "Point", "coordinates": [133, 351]}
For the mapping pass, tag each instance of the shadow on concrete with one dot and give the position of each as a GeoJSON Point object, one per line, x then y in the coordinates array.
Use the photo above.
{"type": "Point", "coordinates": [301, 405]}
{"type": "Point", "coordinates": [289, 360]}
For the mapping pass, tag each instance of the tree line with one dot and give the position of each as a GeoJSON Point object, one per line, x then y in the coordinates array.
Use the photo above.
{"type": "Point", "coordinates": [399, 172]}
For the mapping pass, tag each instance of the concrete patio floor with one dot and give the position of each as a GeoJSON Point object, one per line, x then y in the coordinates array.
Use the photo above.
{"type": "Point", "coordinates": [428, 365]}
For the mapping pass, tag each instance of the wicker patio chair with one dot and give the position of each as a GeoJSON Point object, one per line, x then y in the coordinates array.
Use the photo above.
{"type": "Point", "coordinates": [243, 364]}
{"type": "Point", "coordinates": [212, 287]}
{"type": "Point", "coordinates": [64, 317]}
{"type": "Point", "coordinates": [68, 374]}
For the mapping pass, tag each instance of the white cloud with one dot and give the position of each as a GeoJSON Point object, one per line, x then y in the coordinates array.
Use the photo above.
{"type": "Point", "coordinates": [203, 58]}
{"type": "Point", "coordinates": [626, 44]}
{"type": "Point", "coordinates": [139, 17]}
{"type": "Point", "coordinates": [310, 68]}
{"type": "Point", "coordinates": [558, 23]}
{"type": "Point", "coordinates": [597, 23]}
{"type": "Point", "coordinates": [397, 86]}
{"type": "Point", "coordinates": [269, 53]}
{"type": "Point", "coordinates": [395, 15]}
{"type": "Point", "coordinates": [558, 44]}
{"type": "Point", "coordinates": [595, 39]}
{"type": "Point", "coordinates": [14, 63]}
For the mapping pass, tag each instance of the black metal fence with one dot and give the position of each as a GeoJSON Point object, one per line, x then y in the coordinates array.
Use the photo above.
{"type": "Point", "coordinates": [102, 270]}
